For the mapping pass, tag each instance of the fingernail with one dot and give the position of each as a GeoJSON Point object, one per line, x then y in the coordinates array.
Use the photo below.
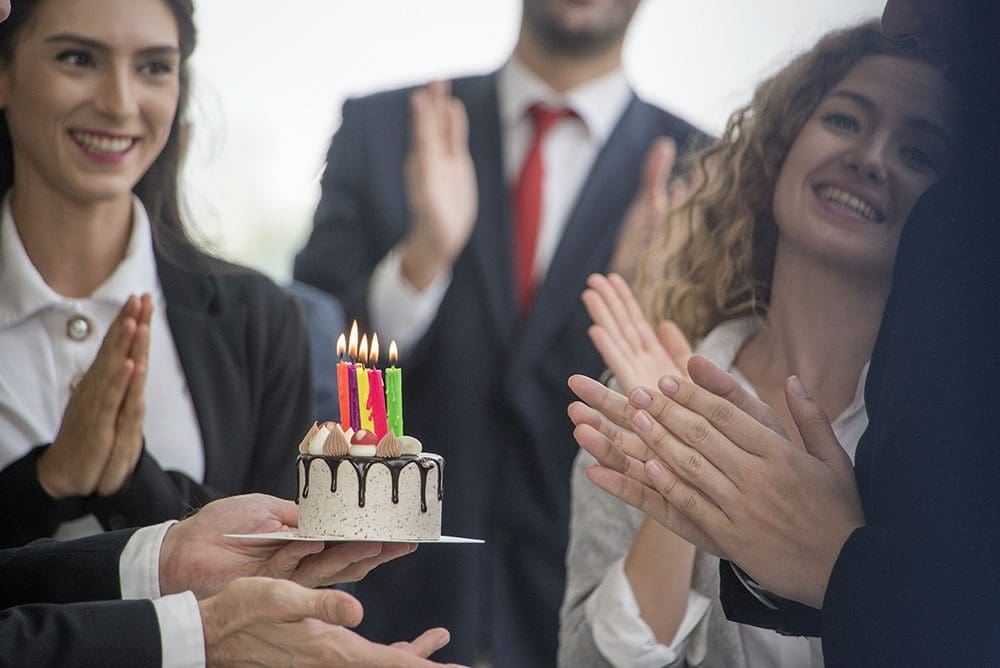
{"type": "Point", "coordinates": [653, 469]}
{"type": "Point", "coordinates": [797, 387]}
{"type": "Point", "coordinates": [441, 638]}
{"type": "Point", "coordinates": [668, 385]}
{"type": "Point", "coordinates": [642, 421]}
{"type": "Point", "coordinates": [641, 398]}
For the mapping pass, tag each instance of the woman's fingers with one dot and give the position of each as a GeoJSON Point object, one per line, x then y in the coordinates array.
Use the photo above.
{"type": "Point", "coordinates": [724, 386]}
{"type": "Point", "coordinates": [128, 436]}
{"type": "Point", "coordinates": [609, 403]}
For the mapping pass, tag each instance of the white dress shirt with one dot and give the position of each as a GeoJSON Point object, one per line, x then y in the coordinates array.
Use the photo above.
{"type": "Point", "coordinates": [41, 359]}
{"type": "Point", "coordinates": [182, 641]}
{"type": "Point", "coordinates": [401, 312]}
{"type": "Point", "coordinates": [620, 632]}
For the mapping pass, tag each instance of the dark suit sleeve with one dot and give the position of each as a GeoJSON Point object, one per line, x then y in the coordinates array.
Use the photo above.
{"type": "Point", "coordinates": [27, 510]}
{"type": "Point", "coordinates": [120, 633]}
{"type": "Point", "coordinates": [342, 249]}
{"type": "Point", "coordinates": [50, 571]}
{"type": "Point", "coordinates": [740, 605]}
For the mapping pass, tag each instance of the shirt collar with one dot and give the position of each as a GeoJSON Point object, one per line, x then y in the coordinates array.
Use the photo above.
{"type": "Point", "coordinates": [599, 103]}
{"type": "Point", "coordinates": [26, 293]}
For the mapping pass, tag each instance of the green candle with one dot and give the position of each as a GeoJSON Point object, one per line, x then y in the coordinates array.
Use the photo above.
{"type": "Point", "coordinates": [394, 393]}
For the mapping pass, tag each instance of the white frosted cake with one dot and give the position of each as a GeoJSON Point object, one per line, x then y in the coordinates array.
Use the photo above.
{"type": "Point", "coordinates": [351, 487]}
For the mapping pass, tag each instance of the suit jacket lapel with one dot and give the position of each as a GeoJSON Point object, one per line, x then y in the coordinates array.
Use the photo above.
{"type": "Point", "coordinates": [207, 337]}
{"type": "Point", "coordinates": [590, 232]}
{"type": "Point", "coordinates": [491, 243]}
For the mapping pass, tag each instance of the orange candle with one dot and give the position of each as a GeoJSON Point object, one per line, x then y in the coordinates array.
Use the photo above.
{"type": "Point", "coordinates": [343, 387]}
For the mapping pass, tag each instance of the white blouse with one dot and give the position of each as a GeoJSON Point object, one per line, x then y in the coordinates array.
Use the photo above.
{"type": "Point", "coordinates": [621, 634]}
{"type": "Point", "coordinates": [48, 340]}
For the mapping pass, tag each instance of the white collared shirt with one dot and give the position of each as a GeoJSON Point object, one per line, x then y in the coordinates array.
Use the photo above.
{"type": "Point", "coordinates": [40, 359]}
{"type": "Point", "coordinates": [401, 312]}
{"type": "Point", "coordinates": [182, 638]}
{"type": "Point", "coordinates": [620, 633]}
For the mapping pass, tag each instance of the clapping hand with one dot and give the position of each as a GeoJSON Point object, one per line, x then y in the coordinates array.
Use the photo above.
{"type": "Point", "coordinates": [634, 353]}
{"type": "Point", "coordinates": [100, 437]}
{"type": "Point", "coordinates": [440, 184]}
{"type": "Point", "coordinates": [717, 469]}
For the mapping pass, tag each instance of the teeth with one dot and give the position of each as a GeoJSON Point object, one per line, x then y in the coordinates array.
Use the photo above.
{"type": "Point", "coordinates": [103, 144]}
{"type": "Point", "coordinates": [849, 201]}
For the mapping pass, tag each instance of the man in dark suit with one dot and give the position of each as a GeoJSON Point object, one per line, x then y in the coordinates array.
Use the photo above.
{"type": "Point", "coordinates": [485, 306]}
{"type": "Point", "coordinates": [64, 602]}
{"type": "Point", "coordinates": [892, 562]}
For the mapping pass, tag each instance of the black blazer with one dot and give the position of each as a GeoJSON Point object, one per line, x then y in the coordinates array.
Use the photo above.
{"type": "Point", "coordinates": [58, 606]}
{"type": "Point", "coordinates": [483, 389]}
{"type": "Point", "coordinates": [244, 351]}
{"type": "Point", "coordinates": [919, 584]}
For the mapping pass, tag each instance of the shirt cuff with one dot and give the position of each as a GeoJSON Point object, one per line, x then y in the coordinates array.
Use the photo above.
{"type": "Point", "coordinates": [620, 632]}
{"type": "Point", "coordinates": [182, 638]}
{"type": "Point", "coordinates": [755, 589]}
{"type": "Point", "coordinates": [397, 308]}
{"type": "Point", "coordinates": [139, 564]}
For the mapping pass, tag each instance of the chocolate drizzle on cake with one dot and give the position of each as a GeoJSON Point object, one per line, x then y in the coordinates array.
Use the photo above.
{"type": "Point", "coordinates": [362, 465]}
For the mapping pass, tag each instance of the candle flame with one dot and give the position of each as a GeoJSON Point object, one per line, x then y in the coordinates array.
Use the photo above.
{"type": "Point", "coordinates": [352, 340]}
{"type": "Point", "coordinates": [341, 346]}
{"type": "Point", "coordinates": [363, 351]}
{"type": "Point", "coordinates": [373, 352]}
{"type": "Point", "coordinates": [393, 352]}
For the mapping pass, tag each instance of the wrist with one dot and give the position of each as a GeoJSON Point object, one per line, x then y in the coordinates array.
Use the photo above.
{"type": "Point", "coordinates": [51, 478]}
{"type": "Point", "coordinates": [421, 262]}
{"type": "Point", "coordinates": [169, 581]}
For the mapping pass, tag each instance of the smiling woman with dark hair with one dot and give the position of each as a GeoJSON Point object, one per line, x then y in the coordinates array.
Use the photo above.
{"type": "Point", "coordinates": [202, 385]}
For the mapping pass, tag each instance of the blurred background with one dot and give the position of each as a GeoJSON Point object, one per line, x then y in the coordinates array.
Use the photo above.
{"type": "Point", "coordinates": [270, 77]}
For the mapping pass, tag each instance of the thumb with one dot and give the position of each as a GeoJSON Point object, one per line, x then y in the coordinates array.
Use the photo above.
{"type": "Point", "coordinates": [659, 162]}
{"type": "Point", "coordinates": [814, 427]}
{"type": "Point", "coordinates": [334, 607]}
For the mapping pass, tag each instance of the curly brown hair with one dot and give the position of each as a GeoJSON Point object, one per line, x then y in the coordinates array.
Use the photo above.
{"type": "Point", "coordinates": [722, 266]}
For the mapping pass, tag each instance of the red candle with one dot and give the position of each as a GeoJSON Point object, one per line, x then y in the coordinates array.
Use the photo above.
{"type": "Point", "coordinates": [376, 393]}
{"type": "Point", "coordinates": [343, 389]}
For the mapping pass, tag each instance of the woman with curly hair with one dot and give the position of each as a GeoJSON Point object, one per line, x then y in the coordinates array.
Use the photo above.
{"type": "Point", "coordinates": [783, 267]}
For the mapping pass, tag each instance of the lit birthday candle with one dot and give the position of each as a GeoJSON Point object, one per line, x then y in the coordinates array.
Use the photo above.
{"type": "Point", "coordinates": [376, 395]}
{"type": "Point", "coordinates": [394, 392]}
{"type": "Point", "coordinates": [343, 389]}
{"type": "Point", "coordinates": [363, 389]}
{"type": "Point", "coordinates": [352, 379]}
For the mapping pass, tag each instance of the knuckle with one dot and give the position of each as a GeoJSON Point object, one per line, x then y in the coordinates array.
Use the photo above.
{"type": "Point", "coordinates": [721, 413]}
{"type": "Point", "coordinates": [697, 431]}
{"type": "Point", "coordinates": [692, 462]}
{"type": "Point", "coordinates": [689, 504]}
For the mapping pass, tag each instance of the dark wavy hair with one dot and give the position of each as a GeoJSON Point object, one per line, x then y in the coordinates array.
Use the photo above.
{"type": "Point", "coordinates": [722, 264]}
{"type": "Point", "coordinates": [158, 187]}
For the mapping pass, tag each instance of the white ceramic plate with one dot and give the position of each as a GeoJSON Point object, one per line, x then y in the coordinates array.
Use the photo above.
{"type": "Point", "coordinates": [288, 535]}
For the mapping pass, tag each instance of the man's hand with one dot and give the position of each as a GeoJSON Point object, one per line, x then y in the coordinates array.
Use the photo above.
{"type": "Point", "coordinates": [195, 554]}
{"type": "Point", "coordinates": [440, 184]}
{"type": "Point", "coordinates": [636, 354]}
{"type": "Point", "coordinates": [730, 482]}
{"type": "Point", "coordinates": [100, 437]}
{"type": "Point", "coordinates": [274, 623]}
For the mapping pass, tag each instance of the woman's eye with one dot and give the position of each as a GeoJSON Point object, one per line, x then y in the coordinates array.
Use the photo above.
{"type": "Point", "coordinates": [157, 67]}
{"type": "Point", "coordinates": [918, 158]}
{"type": "Point", "coordinates": [75, 58]}
{"type": "Point", "coordinates": [841, 120]}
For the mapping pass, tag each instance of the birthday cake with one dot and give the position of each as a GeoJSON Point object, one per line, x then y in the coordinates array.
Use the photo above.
{"type": "Point", "coordinates": [351, 487]}
{"type": "Point", "coordinates": [363, 479]}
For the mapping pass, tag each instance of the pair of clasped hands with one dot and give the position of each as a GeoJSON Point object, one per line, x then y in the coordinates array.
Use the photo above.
{"type": "Point", "coordinates": [255, 597]}
{"type": "Point", "coordinates": [692, 449]}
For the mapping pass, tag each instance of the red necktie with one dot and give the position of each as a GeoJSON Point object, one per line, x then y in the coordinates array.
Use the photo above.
{"type": "Point", "coordinates": [528, 202]}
